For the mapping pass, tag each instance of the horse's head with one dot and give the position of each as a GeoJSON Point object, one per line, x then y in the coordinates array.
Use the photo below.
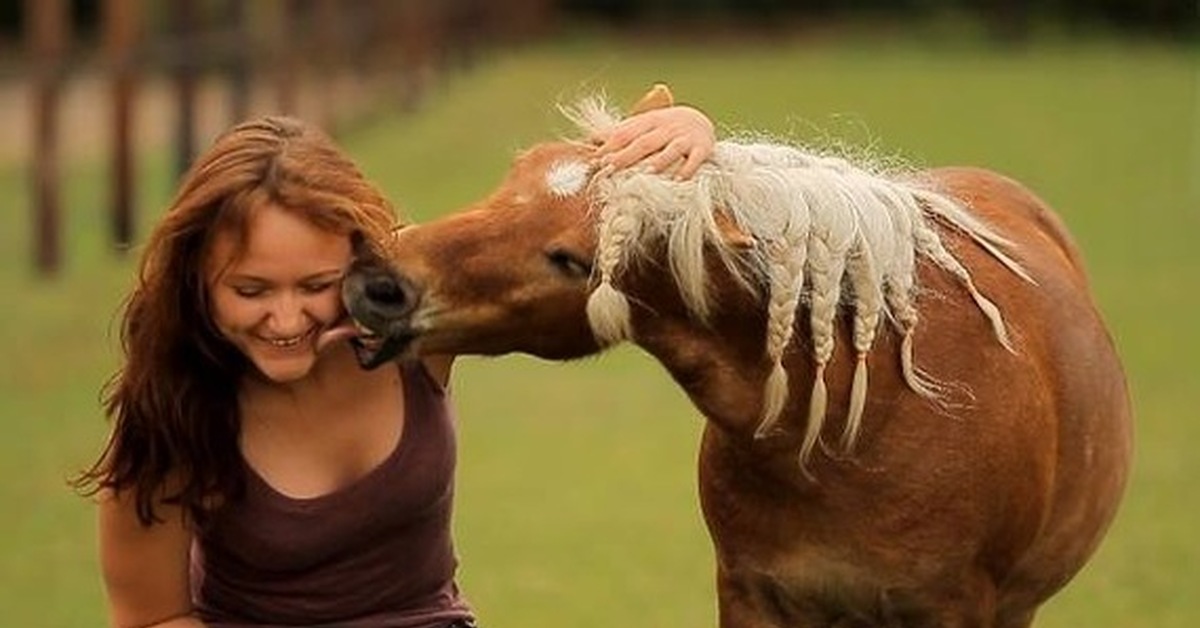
{"type": "Point", "coordinates": [510, 273]}
{"type": "Point", "coordinates": [531, 268]}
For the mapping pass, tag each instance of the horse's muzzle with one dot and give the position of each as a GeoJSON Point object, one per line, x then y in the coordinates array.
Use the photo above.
{"type": "Point", "coordinates": [381, 305]}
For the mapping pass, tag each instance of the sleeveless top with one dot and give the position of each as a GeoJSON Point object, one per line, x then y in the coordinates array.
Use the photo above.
{"type": "Point", "coordinates": [377, 553]}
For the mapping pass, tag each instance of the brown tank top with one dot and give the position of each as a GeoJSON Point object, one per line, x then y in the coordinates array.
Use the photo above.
{"type": "Point", "coordinates": [376, 553]}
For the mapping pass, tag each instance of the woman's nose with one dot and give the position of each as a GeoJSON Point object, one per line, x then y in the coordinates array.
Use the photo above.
{"type": "Point", "coordinates": [287, 316]}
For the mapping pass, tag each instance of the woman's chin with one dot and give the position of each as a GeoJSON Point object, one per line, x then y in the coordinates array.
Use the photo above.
{"type": "Point", "coordinates": [284, 370]}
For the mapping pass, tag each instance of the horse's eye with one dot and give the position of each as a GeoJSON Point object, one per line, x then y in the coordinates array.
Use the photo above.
{"type": "Point", "coordinates": [568, 264]}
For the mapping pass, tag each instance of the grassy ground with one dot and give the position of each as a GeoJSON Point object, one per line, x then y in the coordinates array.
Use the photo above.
{"type": "Point", "coordinates": [576, 492]}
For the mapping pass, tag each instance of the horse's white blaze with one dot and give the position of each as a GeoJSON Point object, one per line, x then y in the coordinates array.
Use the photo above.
{"type": "Point", "coordinates": [567, 178]}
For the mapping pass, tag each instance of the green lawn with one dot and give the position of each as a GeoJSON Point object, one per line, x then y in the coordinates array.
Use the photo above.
{"type": "Point", "coordinates": [576, 492]}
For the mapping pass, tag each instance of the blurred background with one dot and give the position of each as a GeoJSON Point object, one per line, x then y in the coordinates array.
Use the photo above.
{"type": "Point", "coordinates": [576, 490]}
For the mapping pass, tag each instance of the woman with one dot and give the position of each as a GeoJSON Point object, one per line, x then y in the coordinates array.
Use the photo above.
{"type": "Point", "coordinates": [255, 475]}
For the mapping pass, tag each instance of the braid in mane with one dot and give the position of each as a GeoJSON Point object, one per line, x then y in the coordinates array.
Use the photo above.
{"type": "Point", "coordinates": [868, 305]}
{"type": "Point", "coordinates": [827, 246]}
{"type": "Point", "coordinates": [898, 290]}
{"type": "Point", "coordinates": [928, 242]}
{"type": "Point", "coordinates": [607, 307]}
{"type": "Point", "coordinates": [786, 258]}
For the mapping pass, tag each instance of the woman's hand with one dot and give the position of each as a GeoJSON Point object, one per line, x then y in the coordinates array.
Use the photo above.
{"type": "Point", "coordinates": [678, 137]}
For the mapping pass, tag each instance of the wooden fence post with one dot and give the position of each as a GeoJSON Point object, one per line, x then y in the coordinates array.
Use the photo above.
{"type": "Point", "coordinates": [186, 62]}
{"type": "Point", "coordinates": [237, 60]}
{"type": "Point", "coordinates": [329, 57]}
{"type": "Point", "coordinates": [120, 26]}
{"type": "Point", "coordinates": [49, 37]}
{"type": "Point", "coordinates": [288, 67]}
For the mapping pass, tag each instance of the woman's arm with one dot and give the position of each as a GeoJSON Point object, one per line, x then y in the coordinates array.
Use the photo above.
{"type": "Point", "coordinates": [660, 138]}
{"type": "Point", "coordinates": [145, 568]}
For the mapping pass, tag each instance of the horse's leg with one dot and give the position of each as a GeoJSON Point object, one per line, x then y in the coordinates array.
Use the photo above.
{"type": "Point", "coordinates": [1016, 618]}
{"type": "Point", "coordinates": [751, 599]}
{"type": "Point", "coordinates": [754, 601]}
{"type": "Point", "coordinates": [969, 602]}
{"type": "Point", "coordinates": [1023, 621]}
{"type": "Point", "coordinates": [737, 603]}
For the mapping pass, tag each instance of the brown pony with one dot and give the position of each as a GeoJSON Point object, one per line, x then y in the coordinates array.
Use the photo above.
{"type": "Point", "coordinates": [964, 485]}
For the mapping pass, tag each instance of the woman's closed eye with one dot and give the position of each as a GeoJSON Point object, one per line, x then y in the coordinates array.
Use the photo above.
{"type": "Point", "coordinates": [255, 289]}
{"type": "Point", "coordinates": [249, 292]}
{"type": "Point", "coordinates": [317, 287]}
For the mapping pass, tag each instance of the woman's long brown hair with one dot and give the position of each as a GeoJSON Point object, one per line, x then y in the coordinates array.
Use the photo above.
{"type": "Point", "coordinates": [173, 403]}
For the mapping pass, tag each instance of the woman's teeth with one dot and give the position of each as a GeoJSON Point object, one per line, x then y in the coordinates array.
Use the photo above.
{"type": "Point", "coordinates": [284, 343]}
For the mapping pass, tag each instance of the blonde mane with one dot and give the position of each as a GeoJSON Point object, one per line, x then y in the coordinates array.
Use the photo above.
{"type": "Point", "coordinates": [826, 232]}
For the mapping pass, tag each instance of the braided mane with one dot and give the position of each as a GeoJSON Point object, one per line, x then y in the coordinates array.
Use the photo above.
{"type": "Point", "coordinates": [828, 233]}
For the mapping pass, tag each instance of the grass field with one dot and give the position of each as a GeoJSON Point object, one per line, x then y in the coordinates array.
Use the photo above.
{"type": "Point", "coordinates": [576, 491]}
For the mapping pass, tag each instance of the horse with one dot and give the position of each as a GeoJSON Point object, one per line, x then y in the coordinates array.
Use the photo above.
{"type": "Point", "coordinates": [914, 413]}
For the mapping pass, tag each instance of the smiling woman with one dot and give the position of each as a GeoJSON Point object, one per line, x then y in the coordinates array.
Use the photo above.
{"type": "Point", "coordinates": [238, 403]}
{"type": "Point", "coordinates": [255, 474]}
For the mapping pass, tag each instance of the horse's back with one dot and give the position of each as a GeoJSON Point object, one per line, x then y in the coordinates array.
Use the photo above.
{"type": "Point", "coordinates": [1014, 209]}
{"type": "Point", "coordinates": [1060, 337]}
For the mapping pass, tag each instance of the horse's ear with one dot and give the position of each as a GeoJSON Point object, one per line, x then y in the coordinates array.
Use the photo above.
{"type": "Point", "coordinates": [659, 97]}
{"type": "Point", "coordinates": [731, 234]}
{"type": "Point", "coordinates": [358, 244]}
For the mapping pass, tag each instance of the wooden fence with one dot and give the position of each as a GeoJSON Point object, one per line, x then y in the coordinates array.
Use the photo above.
{"type": "Point", "coordinates": [280, 47]}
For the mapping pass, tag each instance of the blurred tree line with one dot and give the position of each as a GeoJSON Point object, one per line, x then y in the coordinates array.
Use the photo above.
{"type": "Point", "coordinates": [1007, 17]}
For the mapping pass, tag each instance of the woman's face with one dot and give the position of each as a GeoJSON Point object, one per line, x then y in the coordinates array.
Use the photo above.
{"type": "Point", "coordinates": [274, 300]}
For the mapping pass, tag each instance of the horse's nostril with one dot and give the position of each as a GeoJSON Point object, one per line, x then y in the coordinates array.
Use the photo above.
{"type": "Point", "coordinates": [384, 290]}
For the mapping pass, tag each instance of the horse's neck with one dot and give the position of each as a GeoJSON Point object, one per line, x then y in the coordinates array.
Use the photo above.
{"type": "Point", "coordinates": [721, 368]}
